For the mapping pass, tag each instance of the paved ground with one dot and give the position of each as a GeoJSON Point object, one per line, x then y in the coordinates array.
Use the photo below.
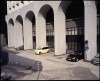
{"type": "Point", "coordinates": [56, 68]}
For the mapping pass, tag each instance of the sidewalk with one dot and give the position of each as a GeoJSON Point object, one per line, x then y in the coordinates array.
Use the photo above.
{"type": "Point", "coordinates": [57, 68]}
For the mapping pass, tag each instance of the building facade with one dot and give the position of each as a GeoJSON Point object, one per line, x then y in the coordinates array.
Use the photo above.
{"type": "Point", "coordinates": [62, 25]}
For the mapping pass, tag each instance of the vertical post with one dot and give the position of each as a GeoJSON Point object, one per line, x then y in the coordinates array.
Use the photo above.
{"type": "Point", "coordinates": [40, 32]}
{"type": "Point", "coordinates": [91, 29]}
{"type": "Point", "coordinates": [59, 31]}
{"type": "Point", "coordinates": [28, 40]}
{"type": "Point", "coordinates": [18, 33]}
{"type": "Point", "coordinates": [10, 30]}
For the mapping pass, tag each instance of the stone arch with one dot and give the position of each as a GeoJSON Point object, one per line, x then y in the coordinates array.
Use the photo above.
{"type": "Point", "coordinates": [43, 10]}
{"type": "Point", "coordinates": [11, 21]}
{"type": "Point", "coordinates": [29, 30]}
{"type": "Point", "coordinates": [89, 7]}
{"type": "Point", "coordinates": [63, 8]}
{"type": "Point", "coordinates": [19, 31]}
{"type": "Point", "coordinates": [47, 25]}
{"type": "Point", "coordinates": [11, 40]}
{"type": "Point", "coordinates": [74, 21]}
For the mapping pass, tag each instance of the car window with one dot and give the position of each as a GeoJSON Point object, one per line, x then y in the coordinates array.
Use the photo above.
{"type": "Point", "coordinates": [45, 48]}
{"type": "Point", "coordinates": [38, 48]}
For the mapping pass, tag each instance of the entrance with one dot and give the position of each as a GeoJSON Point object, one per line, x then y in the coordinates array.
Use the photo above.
{"type": "Point", "coordinates": [50, 39]}
{"type": "Point", "coordinates": [50, 29]}
{"type": "Point", "coordinates": [75, 35]}
{"type": "Point", "coordinates": [34, 39]}
{"type": "Point", "coordinates": [98, 34]}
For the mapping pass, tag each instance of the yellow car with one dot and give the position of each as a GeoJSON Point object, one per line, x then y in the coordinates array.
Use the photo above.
{"type": "Point", "coordinates": [42, 50]}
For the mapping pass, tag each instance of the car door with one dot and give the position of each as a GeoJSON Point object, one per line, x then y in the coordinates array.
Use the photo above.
{"type": "Point", "coordinates": [43, 50]}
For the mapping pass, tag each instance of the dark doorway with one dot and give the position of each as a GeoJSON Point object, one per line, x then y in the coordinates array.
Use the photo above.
{"type": "Point", "coordinates": [50, 29]}
{"type": "Point", "coordinates": [34, 32]}
{"type": "Point", "coordinates": [75, 26]}
{"type": "Point", "coordinates": [98, 27]}
{"type": "Point", "coordinates": [98, 33]}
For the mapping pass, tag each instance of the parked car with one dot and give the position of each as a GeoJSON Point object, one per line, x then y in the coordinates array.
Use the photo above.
{"type": "Point", "coordinates": [75, 56]}
{"type": "Point", "coordinates": [96, 60]}
{"type": "Point", "coordinates": [42, 50]}
{"type": "Point", "coordinates": [20, 48]}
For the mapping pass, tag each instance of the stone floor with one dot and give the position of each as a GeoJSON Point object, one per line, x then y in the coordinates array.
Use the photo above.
{"type": "Point", "coordinates": [57, 68]}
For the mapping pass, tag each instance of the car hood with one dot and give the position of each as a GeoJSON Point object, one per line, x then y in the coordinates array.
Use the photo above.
{"type": "Point", "coordinates": [71, 56]}
{"type": "Point", "coordinates": [37, 50]}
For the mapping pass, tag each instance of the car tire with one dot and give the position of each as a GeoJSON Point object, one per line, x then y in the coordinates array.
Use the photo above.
{"type": "Point", "coordinates": [48, 51]}
{"type": "Point", "coordinates": [39, 53]}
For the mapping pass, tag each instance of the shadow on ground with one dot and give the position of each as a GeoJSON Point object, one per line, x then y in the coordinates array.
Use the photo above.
{"type": "Point", "coordinates": [72, 73]}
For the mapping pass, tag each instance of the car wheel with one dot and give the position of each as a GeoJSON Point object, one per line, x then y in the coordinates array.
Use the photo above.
{"type": "Point", "coordinates": [48, 51]}
{"type": "Point", "coordinates": [67, 59]}
{"type": "Point", "coordinates": [39, 53]}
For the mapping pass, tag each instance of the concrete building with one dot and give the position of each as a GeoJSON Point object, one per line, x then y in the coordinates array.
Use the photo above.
{"type": "Point", "coordinates": [62, 25]}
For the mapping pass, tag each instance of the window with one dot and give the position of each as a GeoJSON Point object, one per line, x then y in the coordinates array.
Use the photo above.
{"type": "Point", "coordinates": [22, 2]}
{"type": "Point", "coordinates": [13, 6]}
{"type": "Point", "coordinates": [9, 8]}
{"type": "Point", "coordinates": [17, 4]}
{"type": "Point", "coordinates": [75, 37]}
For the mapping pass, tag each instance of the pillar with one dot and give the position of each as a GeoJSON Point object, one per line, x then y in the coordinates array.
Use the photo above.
{"type": "Point", "coordinates": [10, 32]}
{"type": "Point", "coordinates": [40, 32]}
{"type": "Point", "coordinates": [28, 39]}
{"type": "Point", "coordinates": [18, 34]}
{"type": "Point", "coordinates": [90, 29]}
{"type": "Point", "coordinates": [59, 31]}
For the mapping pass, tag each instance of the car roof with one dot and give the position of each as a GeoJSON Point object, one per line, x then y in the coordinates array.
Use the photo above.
{"type": "Point", "coordinates": [45, 46]}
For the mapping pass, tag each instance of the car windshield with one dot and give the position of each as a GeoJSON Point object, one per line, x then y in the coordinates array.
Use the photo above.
{"type": "Point", "coordinates": [72, 55]}
{"type": "Point", "coordinates": [45, 48]}
{"type": "Point", "coordinates": [38, 48]}
{"type": "Point", "coordinates": [78, 52]}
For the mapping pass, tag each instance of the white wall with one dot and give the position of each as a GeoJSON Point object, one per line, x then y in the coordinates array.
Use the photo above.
{"type": "Point", "coordinates": [10, 29]}
{"type": "Point", "coordinates": [90, 30]}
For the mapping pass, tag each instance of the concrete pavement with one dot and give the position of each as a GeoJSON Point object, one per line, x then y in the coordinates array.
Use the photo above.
{"type": "Point", "coordinates": [57, 68]}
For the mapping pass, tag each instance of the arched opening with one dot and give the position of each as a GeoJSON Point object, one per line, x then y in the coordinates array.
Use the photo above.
{"type": "Point", "coordinates": [74, 20]}
{"type": "Point", "coordinates": [19, 31]}
{"type": "Point", "coordinates": [30, 31]}
{"type": "Point", "coordinates": [50, 29]}
{"type": "Point", "coordinates": [75, 26]}
{"type": "Point", "coordinates": [11, 41]}
{"type": "Point", "coordinates": [47, 15]}
{"type": "Point", "coordinates": [98, 26]}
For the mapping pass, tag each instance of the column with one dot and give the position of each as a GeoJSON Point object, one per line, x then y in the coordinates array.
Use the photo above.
{"type": "Point", "coordinates": [18, 34]}
{"type": "Point", "coordinates": [40, 32]}
{"type": "Point", "coordinates": [28, 40]}
{"type": "Point", "coordinates": [90, 29]}
{"type": "Point", "coordinates": [10, 31]}
{"type": "Point", "coordinates": [59, 31]}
